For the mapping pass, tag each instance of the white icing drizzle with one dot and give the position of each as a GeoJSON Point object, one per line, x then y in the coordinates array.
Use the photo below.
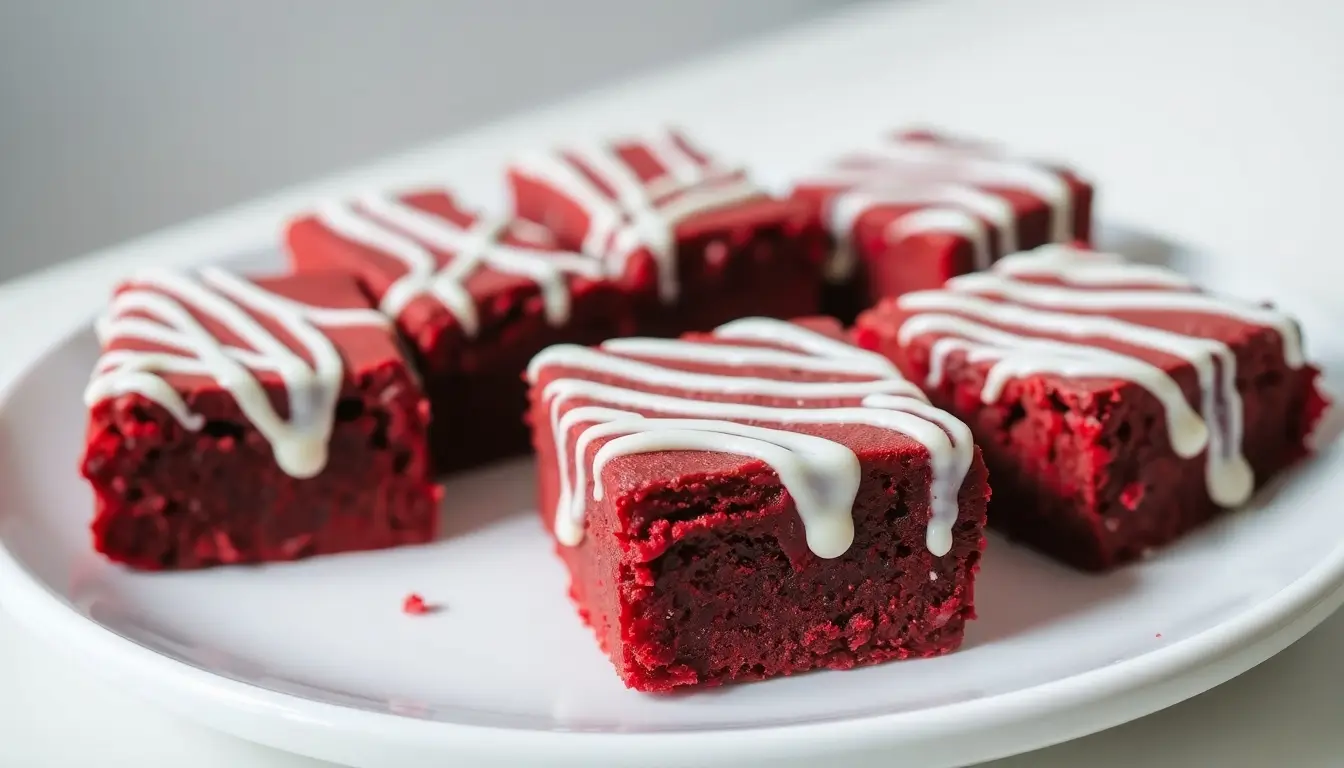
{"type": "Point", "coordinates": [963, 220]}
{"type": "Point", "coordinates": [1135, 283]}
{"type": "Point", "coordinates": [821, 476]}
{"type": "Point", "coordinates": [639, 213]}
{"type": "Point", "coordinates": [1098, 268]}
{"type": "Point", "coordinates": [946, 183]}
{"type": "Point", "coordinates": [768, 331]}
{"type": "Point", "coordinates": [738, 356]}
{"type": "Point", "coordinates": [597, 361]}
{"type": "Point", "coordinates": [1026, 327]}
{"type": "Point", "coordinates": [404, 232]}
{"type": "Point", "coordinates": [155, 310]}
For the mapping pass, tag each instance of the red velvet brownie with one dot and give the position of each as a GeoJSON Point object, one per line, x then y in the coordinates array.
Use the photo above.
{"type": "Point", "coordinates": [696, 239]}
{"type": "Point", "coordinates": [758, 501]}
{"type": "Point", "coordinates": [1117, 405]}
{"type": "Point", "coordinates": [920, 207]}
{"type": "Point", "coordinates": [475, 298]}
{"type": "Point", "coordinates": [240, 422]}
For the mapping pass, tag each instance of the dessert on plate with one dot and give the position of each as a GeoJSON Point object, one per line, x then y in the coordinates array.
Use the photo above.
{"type": "Point", "coordinates": [236, 421]}
{"type": "Point", "coordinates": [644, 236]}
{"type": "Point", "coordinates": [1117, 405]}
{"type": "Point", "coordinates": [757, 501]}
{"type": "Point", "coordinates": [737, 493]}
{"type": "Point", "coordinates": [692, 237]}
{"type": "Point", "coordinates": [473, 296]}
{"type": "Point", "coordinates": [920, 207]}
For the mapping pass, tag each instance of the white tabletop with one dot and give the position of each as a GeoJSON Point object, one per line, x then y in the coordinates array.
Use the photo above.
{"type": "Point", "coordinates": [1212, 121]}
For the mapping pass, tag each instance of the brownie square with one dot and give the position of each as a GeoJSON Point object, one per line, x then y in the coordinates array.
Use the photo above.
{"type": "Point", "coordinates": [1117, 406]}
{"type": "Point", "coordinates": [758, 501]}
{"type": "Point", "coordinates": [921, 207]}
{"type": "Point", "coordinates": [474, 297]}
{"type": "Point", "coordinates": [696, 239]}
{"type": "Point", "coordinates": [241, 422]}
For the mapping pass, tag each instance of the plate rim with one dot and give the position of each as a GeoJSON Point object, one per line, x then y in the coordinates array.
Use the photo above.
{"type": "Point", "coordinates": [1002, 723]}
{"type": "Point", "coordinates": [251, 711]}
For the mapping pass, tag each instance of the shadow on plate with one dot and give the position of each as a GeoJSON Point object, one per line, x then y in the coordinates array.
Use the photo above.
{"type": "Point", "coordinates": [1331, 426]}
{"type": "Point", "coordinates": [1143, 246]}
{"type": "Point", "coordinates": [1018, 589]}
{"type": "Point", "coordinates": [481, 498]}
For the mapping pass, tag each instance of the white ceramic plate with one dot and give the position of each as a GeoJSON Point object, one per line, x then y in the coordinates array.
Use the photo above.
{"type": "Point", "coordinates": [317, 657]}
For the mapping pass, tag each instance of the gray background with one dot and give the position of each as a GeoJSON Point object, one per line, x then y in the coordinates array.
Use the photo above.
{"type": "Point", "coordinates": [118, 117]}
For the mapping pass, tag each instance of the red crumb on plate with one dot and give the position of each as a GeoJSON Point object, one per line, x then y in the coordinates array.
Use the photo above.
{"type": "Point", "coordinates": [415, 605]}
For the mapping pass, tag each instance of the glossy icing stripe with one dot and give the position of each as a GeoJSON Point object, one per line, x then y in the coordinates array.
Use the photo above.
{"type": "Point", "coordinates": [992, 171]}
{"type": "Point", "coordinates": [770, 331]}
{"type": "Point", "coordinates": [1141, 291]}
{"type": "Point", "coordinates": [741, 356]}
{"type": "Point", "coordinates": [1026, 327]}
{"type": "Point", "coordinates": [816, 472]}
{"type": "Point", "coordinates": [954, 186]}
{"type": "Point", "coordinates": [409, 234]}
{"type": "Point", "coordinates": [822, 476]}
{"type": "Point", "coordinates": [575, 357]}
{"type": "Point", "coordinates": [156, 311]}
{"type": "Point", "coordinates": [1065, 263]}
{"type": "Point", "coordinates": [638, 214]}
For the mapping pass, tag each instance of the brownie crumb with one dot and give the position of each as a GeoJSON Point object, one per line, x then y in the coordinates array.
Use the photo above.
{"type": "Point", "coordinates": [415, 605]}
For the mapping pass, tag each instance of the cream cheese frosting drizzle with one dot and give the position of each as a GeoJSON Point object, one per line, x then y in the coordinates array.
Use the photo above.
{"type": "Point", "coordinates": [951, 187]}
{"type": "Point", "coordinates": [157, 309]}
{"type": "Point", "coordinates": [630, 210]}
{"type": "Point", "coordinates": [1040, 312]}
{"type": "Point", "coordinates": [394, 228]}
{"type": "Point", "coordinates": [822, 476]}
